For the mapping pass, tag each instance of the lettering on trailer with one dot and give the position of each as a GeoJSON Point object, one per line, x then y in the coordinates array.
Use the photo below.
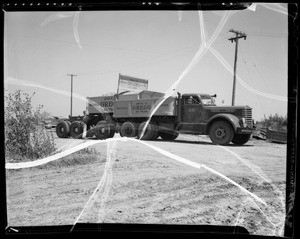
{"type": "Point", "coordinates": [106, 103]}
{"type": "Point", "coordinates": [141, 107]}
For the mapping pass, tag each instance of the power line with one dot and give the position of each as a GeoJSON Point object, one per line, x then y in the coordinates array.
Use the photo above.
{"type": "Point", "coordinates": [145, 62]}
{"type": "Point", "coordinates": [250, 75]}
{"type": "Point", "coordinates": [268, 34]}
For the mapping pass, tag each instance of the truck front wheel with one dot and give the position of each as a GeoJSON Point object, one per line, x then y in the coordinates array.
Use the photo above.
{"type": "Point", "coordinates": [221, 133]}
{"type": "Point", "coordinates": [63, 129]}
{"type": "Point", "coordinates": [240, 139]}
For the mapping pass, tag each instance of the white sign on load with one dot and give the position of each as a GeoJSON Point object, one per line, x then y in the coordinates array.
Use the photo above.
{"type": "Point", "coordinates": [131, 84]}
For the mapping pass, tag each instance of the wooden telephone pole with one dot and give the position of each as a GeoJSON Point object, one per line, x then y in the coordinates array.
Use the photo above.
{"type": "Point", "coordinates": [71, 91]}
{"type": "Point", "coordinates": [238, 35]}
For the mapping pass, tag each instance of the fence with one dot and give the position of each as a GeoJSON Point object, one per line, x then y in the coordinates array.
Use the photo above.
{"type": "Point", "coordinates": [276, 136]}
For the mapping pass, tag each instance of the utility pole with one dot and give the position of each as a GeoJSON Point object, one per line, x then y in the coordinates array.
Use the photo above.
{"type": "Point", "coordinates": [71, 91]}
{"type": "Point", "coordinates": [238, 35]}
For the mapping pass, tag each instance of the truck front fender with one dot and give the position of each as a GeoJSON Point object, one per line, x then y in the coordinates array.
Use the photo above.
{"type": "Point", "coordinates": [231, 119]}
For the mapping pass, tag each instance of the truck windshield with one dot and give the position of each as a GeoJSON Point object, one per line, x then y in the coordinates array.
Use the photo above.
{"type": "Point", "coordinates": [207, 100]}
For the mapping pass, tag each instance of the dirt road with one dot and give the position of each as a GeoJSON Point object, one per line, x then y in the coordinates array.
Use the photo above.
{"type": "Point", "coordinates": [130, 182]}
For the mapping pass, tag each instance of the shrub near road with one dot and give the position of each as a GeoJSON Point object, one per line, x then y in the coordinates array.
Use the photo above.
{"type": "Point", "coordinates": [25, 139]}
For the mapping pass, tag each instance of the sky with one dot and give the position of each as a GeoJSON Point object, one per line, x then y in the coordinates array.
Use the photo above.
{"type": "Point", "coordinates": [43, 48]}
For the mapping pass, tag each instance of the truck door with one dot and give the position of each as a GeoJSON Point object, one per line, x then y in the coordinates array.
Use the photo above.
{"type": "Point", "coordinates": [192, 109]}
{"type": "Point", "coordinates": [192, 115]}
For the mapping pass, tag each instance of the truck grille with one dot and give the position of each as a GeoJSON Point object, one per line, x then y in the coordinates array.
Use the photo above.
{"type": "Point", "coordinates": [247, 114]}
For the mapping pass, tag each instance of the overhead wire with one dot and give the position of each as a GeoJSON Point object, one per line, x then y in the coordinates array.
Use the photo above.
{"type": "Point", "coordinates": [191, 22]}
{"type": "Point", "coordinates": [143, 62]}
{"type": "Point", "coordinates": [222, 36]}
{"type": "Point", "coordinates": [85, 45]}
{"type": "Point", "coordinates": [267, 34]}
{"type": "Point", "coordinates": [137, 63]}
{"type": "Point", "coordinates": [54, 82]}
{"type": "Point", "coordinates": [250, 75]}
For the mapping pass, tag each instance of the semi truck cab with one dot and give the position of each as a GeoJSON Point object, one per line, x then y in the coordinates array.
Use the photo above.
{"type": "Point", "coordinates": [199, 112]}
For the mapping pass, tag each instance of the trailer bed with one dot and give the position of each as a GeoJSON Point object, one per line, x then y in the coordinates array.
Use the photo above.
{"type": "Point", "coordinates": [142, 104]}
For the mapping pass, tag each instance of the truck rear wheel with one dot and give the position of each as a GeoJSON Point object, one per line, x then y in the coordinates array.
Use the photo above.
{"type": "Point", "coordinates": [102, 130]}
{"type": "Point", "coordinates": [63, 129]}
{"type": "Point", "coordinates": [90, 133]}
{"type": "Point", "coordinates": [150, 132]}
{"type": "Point", "coordinates": [171, 135]}
{"type": "Point", "coordinates": [112, 130]}
{"type": "Point", "coordinates": [221, 133]}
{"type": "Point", "coordinates": [155, 131]}
{"type": "Point", "coordinates": [240, 139]}
{"type": "Point", "coordinates": [76, 130]}
{"type": "Point", "coordinates": [129, 129]}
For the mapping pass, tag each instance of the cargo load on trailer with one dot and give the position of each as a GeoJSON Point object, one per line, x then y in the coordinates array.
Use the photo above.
{"type": "Point", "coordinates": [141, 105]}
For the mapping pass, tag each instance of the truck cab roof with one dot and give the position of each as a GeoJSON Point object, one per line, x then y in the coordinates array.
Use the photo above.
{"type": "Point", "coordinates": [202, 95]}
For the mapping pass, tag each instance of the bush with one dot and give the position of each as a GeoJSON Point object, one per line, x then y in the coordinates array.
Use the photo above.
{"type": "Point", "coordinates": [275, 122]}
{"type": "Point", "coordinates": [24, 138]}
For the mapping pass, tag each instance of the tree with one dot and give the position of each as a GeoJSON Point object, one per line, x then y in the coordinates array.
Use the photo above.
{"type": "Point", "coordinates": [24, 138]}
{"type": "Point", "coordinates": [275, 122]}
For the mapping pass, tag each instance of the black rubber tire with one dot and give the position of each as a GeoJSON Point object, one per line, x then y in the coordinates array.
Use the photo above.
{"type": "Point", "coordinates": [155, 131]}
{"type": "Point", "coordinates": [156, 136]}
{"type": "Point", "coordinates": [240, 139]}
{"type": "Point", "coordinates": [90, 133]}
{"type": "Point", "coordinates": [150, 132]}
{"type": "Point", "coordinates": [221, 132]}
{"type": "Point", "coordinates": [63, 129]}
{"type": "Point", "coordinates": [102, 130]}
{"type": "Point", "coordinates": [171, 135]}
{"type": "Point", "coordinates": [112, 130]}
{"type": "Point", "coordinates": [69, 123]}
{"type": "Point", "coordinates": [76, 130]}
{"type": "Point", "coordinates": [129, 129]}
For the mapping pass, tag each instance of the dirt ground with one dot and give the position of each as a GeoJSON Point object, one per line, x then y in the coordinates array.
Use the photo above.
{"type": "Point", "coordinates": [129, 182]}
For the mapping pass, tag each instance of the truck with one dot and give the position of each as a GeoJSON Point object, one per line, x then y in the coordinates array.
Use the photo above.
{"type": "Point", "coordinates": [189, 113]}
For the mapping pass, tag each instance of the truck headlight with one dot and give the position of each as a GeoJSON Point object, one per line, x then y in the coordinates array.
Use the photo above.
{"type": "Point", "coordinates": [244, 122]}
